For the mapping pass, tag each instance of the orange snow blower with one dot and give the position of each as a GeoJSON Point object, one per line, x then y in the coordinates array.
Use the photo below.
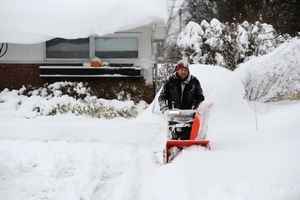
{"type": "Point", "coordinates": [185, 129]}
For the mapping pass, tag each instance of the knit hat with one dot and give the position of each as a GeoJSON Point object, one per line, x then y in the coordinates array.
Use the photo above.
{"type": "Point", "coordinates": [181, 65]}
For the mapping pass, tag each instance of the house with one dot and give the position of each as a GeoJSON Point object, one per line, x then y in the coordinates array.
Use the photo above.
{"type": "Point", "coordinates": [128, 55]}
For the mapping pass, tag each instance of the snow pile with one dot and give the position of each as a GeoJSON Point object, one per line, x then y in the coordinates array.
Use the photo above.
{"type": "Point", "coordinates": [246, 163]}
{"type": "Point", "coordinates": [255, 148]}
{"type": "Point", "coordinates": [65, 97]}
{"type": "Point", "coordinates": [275, 76]}
{"type": "Point", "coordinates": [213, 89]}
{"type": "Point", "coordinates": [224, 89]}
{"type": "Point", "coordinates": [77, 19]}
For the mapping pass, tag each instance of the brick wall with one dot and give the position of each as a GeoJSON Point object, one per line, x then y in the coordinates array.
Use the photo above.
{"type": "Point", "coordinates": [13, 76]}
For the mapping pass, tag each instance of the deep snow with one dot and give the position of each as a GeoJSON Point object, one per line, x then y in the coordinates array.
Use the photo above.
{"type": "Point", "coordinates": [254, 155]}
{"type": "Point", "coordinates": [273, 75]}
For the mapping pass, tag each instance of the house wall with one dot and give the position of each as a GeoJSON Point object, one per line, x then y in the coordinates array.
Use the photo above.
{"type": "Point", "coordinates": [29, 53]}
{"type": "Point", "coordinates": [20, 66]}
{"type": "Point", "coordinates": [160, 32]}
{"type": "Point", "coordinates": [21, 53]}
{"type": "Point", "coordinates": [35, 53]}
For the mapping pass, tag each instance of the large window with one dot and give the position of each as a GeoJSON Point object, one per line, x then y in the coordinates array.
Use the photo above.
{"type": "Point", "coordinates": [70, 49]}
{"type": "Point", "coordinates": [102, 47]}
{"type": "Point", "coordinates": [116, 47]}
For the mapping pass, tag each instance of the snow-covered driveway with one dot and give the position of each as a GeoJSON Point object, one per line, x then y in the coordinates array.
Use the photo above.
{"type": "Point", "coordinates": [75, 158]}
{"type": "Point", "coordinates": [66, 157]}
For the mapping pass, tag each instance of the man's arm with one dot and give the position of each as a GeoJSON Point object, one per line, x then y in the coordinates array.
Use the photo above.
{"type": "Point", "coordinates": [198, 96]}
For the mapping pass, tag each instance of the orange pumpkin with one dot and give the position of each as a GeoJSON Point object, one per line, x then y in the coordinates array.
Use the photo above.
{"type": "Point", "coordinates": [96, 63]}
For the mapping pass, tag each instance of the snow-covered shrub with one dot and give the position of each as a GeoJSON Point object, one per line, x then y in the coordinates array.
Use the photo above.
{"type": "Point", "coordinates": [67, 97]}
{"type": "Point", "coordinates": [164, 70]}
{"type": "Point", "coordinates": [275, 76]}
{"type": "Point", "coordinates": [76, 90]}
{"type": "Point", "coordinates": [227, 44]}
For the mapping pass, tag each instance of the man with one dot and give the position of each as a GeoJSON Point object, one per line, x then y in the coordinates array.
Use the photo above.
{"type": "Point", "coordinates": [182, 90]}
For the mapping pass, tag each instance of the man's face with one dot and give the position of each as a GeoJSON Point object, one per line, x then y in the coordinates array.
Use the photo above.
{"type": "Point", "coordinates": [182, 73]}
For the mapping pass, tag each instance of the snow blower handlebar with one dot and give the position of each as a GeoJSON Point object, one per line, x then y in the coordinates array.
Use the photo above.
{"type": "Point", "coordinates": [178, 112]}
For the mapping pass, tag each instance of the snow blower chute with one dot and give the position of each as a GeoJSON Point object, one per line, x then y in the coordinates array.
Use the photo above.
{"type": "Point", "coordinates": [185, 129]}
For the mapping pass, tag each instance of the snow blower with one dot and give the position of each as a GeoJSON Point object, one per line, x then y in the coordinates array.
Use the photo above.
{"type": "Point", "coordinates": [184, 130]}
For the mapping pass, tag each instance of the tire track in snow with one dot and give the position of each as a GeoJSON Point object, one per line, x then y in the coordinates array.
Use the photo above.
{"type": "Point", "coordinates": [125, 184]}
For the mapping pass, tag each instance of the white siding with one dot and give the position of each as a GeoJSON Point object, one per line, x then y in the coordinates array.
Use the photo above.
{"type": "Point", "coordinates": [35, 53]}
{"type": "Point", "coordinates": [24, 53]}
{"type": "Point", "coordinates": [160, 32]}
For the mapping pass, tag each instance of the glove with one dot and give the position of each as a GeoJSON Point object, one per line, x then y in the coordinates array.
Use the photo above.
{"type": "Point", "coordinates": [195, 107]}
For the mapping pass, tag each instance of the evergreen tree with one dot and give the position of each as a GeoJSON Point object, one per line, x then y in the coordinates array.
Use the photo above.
{"type": "Point", "coordinates": [226, 44]}
{"type": "Point", "coordinates": [201, 10]}
{"type": "Point", "coordinates": [284, 15]}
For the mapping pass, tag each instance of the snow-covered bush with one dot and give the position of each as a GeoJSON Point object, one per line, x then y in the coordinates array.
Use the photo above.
{"type": "Point", "coordinates": [76, 90]}
{"type": "Point", "coordinates": [275, 76]}
{"type": "Point", "coordinates": [164, 70]}
{"type": "Point", "coordinates": [66, 97]}
{"type": "Point", "coordinates": [227, 44]}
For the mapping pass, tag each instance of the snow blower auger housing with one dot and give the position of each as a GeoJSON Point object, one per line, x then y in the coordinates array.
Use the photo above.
{"type": "Point", "coordinates": [184, 130]}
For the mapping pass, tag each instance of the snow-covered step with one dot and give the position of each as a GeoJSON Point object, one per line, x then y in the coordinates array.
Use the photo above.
{"type": "Point", "coordinates": [86, 72]}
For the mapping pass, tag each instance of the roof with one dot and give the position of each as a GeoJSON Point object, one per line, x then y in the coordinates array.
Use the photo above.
{"type": "Point", "coordinates": [34, 21]}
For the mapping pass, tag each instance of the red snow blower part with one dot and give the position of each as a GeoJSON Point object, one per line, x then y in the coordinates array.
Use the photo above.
{"type": "Point", "coordinates": [185, 129]}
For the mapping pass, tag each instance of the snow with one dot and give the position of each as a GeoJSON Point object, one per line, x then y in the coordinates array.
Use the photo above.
{"type": "Point", "coordinates": [243, 38]}
{"type": "Point", "coordinates": [254, 151]}
{"type": "Point", "coordinates": [255, 148]}
{"type": "Point", "coordinates": [228, 44]}
{"type": "Point", "coordinates": [77, 19]}
{"type": "Point", "coordinates": [191, 36]}
{"type": "Point", "coordinates": [273, 75]}
{"type": "Point", "coordinates": [66, 97]}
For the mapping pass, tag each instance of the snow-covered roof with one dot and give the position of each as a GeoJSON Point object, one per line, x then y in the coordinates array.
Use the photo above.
{"type": "Point", "coordinates": [35, 21]}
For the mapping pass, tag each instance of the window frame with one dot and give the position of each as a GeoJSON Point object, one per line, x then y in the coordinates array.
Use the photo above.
{"type": "Point", "coordinates": [136, 40]}
{"type": "Point", "coordinates": [92, 50]}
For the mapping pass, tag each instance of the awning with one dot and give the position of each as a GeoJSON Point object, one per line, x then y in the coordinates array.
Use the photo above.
{"type": "Point", "coordinates": [34, 21]}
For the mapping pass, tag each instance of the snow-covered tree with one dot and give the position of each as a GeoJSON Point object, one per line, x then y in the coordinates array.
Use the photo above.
{"type": "Point", "coordinates": [226, 44]}
{"type": "Point", "coordinates": [282, 14]}
{"type": "Point", "coordinates": [199, 10]}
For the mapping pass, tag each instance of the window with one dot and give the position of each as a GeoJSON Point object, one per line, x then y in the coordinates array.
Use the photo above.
{"type": "Point", "coordinates": [116, 47]}
{"type": "Point", "coordinates": [102, 47]}
{"type": "Point", "coordinates": [63, 48]}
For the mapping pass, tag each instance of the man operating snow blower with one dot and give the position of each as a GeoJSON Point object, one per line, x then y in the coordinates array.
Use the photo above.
{"type": "Point", "coordinates": [181, 91]}
{"type": "Point", "coordinates": [179, 100]}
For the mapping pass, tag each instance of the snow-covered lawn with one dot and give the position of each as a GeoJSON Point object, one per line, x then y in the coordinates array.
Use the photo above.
{"type": "Point", "coordinates": [254, 155]}
{"type": "Point", "coordinates": [69, 157]}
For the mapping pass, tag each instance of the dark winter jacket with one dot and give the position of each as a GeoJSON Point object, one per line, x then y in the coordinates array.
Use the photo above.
{"type": "Point", "coordinates": [173, 95]}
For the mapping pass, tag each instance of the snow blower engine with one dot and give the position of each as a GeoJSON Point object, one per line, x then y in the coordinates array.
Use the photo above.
{"type": "Point", "coordinates": [184, 130]}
